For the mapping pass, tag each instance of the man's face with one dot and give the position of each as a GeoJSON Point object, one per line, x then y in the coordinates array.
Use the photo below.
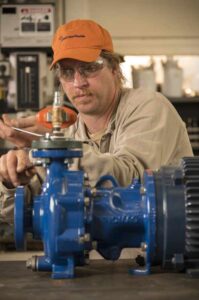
{"type": "Point", "coordinates": [90, 88]}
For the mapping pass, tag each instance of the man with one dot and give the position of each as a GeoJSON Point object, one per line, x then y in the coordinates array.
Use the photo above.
{"type": "Point", "coordinates": [124, 131]}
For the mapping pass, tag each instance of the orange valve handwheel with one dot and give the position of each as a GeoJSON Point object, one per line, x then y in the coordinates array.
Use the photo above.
{"type": "Point", "coordinates": [43, 116]}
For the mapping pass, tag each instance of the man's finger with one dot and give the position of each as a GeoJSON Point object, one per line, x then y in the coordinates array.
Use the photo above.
{"type": "Point", "coordinates": [23, 161]}
{"type": "Point", "coordinates": [31, 171]}
{"type": "Point", "coordinates": [6, 130]}
{"type": "Point", "coordinates": [25, 122]}
{"type": "Point", "coordinates": [6, 119]}
{"type": "Point", "coordinates": [12, 164]}
{"type": "Point", "coordinates": [3, 168]}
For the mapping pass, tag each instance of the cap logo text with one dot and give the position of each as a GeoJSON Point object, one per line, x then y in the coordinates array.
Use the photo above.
{"type": "Point", "coordinates": [64, 37]}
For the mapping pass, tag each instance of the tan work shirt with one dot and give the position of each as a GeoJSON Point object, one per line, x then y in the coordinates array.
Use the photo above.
{"type": "Point", "coordinates": [145, 131]}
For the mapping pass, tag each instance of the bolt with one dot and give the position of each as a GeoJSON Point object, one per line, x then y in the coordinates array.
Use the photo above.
{"type": "Point", "coordinates": [47, 136]}
{"type": "Point", "coordinates": [86, 180]}
{"type": "Point", "coordinates": [87, 201]}
{"type": "Point", "coordinates": [29, 263]}
{"type": "Point", "coordinates": [94, 192]}
{"type": "Point", "coordinates": [142, 190]}
{"type": "Point", "coordinates": [87, 237]}
{"type": "Point", "coordinates": [41, 162]}
{"type": "Point", "coordinates": [86, 176]}
{"type": "Point", "coordinates": [144, 246]}
{"type": "Point", "coordinates": [67, 161]}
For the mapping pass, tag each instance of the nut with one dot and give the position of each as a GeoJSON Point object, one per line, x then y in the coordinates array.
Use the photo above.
{"type": "Point", "coordinates": [84, 238]}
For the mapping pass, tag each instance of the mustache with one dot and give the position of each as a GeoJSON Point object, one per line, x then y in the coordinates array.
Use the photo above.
{"type": "Point", "coordinates": [82, 93]}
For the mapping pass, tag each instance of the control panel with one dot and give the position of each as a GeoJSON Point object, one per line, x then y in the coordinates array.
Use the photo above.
{"type": "Point", "coordinates": [29, 25]}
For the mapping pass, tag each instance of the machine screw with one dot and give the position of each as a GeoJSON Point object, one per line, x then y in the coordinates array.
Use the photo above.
{"type": "Point", "coordinates": [142, 190]}
{"type": "Point", "coordinates": [144, 246]}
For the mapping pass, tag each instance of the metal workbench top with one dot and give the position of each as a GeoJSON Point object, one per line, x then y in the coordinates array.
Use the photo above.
{"type": "Point", "coordinates": [101, 279]}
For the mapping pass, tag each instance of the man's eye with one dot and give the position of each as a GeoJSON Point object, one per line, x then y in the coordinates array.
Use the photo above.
{"type": "Point", "coordinates": [89, 69]}
{"type": "Point", "coordinates": [92, 68]}
{"type": "Point", "coordinates": [67, 72]}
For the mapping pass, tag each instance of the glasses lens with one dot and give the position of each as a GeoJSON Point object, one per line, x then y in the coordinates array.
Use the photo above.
{"type": "Point", "coordinates": [84, 69]}
{"type": "Point", "coordinates": [67, 73]}
{"type": "Point", "coordinates": [91, 69]}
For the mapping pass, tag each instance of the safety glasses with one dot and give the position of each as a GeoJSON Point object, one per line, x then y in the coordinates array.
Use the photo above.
{"type": "Point", "coordinates": [85, 69]}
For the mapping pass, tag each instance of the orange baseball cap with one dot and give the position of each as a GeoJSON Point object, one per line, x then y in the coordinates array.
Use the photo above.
{"type": "Point", "coordinates": [82, 40]}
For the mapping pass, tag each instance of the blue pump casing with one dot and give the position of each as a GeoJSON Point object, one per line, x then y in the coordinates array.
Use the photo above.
{"type": "Point", "coordinates": [71, 218]}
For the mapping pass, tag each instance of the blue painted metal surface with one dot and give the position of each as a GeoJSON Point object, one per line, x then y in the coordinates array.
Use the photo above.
{"type": "Point", "coordinates": [19, 218]}
{"type": "Point", "coordinates": [117, 219]}
{"type": "Point", "coordinates": [69, 217]}
{"type": "Point", "coordinates": [149, 215]}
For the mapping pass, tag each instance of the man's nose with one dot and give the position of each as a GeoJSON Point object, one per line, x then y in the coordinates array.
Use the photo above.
{"type": "Point", "coordinates": [79, 80]}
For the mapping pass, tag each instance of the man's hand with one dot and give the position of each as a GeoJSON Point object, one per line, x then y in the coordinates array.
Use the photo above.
{"type": "Point", "coordinates": [20, 139]}
{"type": "Point", "coordinates": [15, 168]}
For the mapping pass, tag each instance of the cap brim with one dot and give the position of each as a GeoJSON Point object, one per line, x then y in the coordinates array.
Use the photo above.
{"type": "Point", "coordinates": [82, 54]}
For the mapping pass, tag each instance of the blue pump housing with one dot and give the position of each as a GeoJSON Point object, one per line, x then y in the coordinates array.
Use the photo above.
{"type": "Point", "coordinates": [71, 218]}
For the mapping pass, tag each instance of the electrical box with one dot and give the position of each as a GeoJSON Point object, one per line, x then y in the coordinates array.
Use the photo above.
{"type": "Point", "coordinates": [26, 25]}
